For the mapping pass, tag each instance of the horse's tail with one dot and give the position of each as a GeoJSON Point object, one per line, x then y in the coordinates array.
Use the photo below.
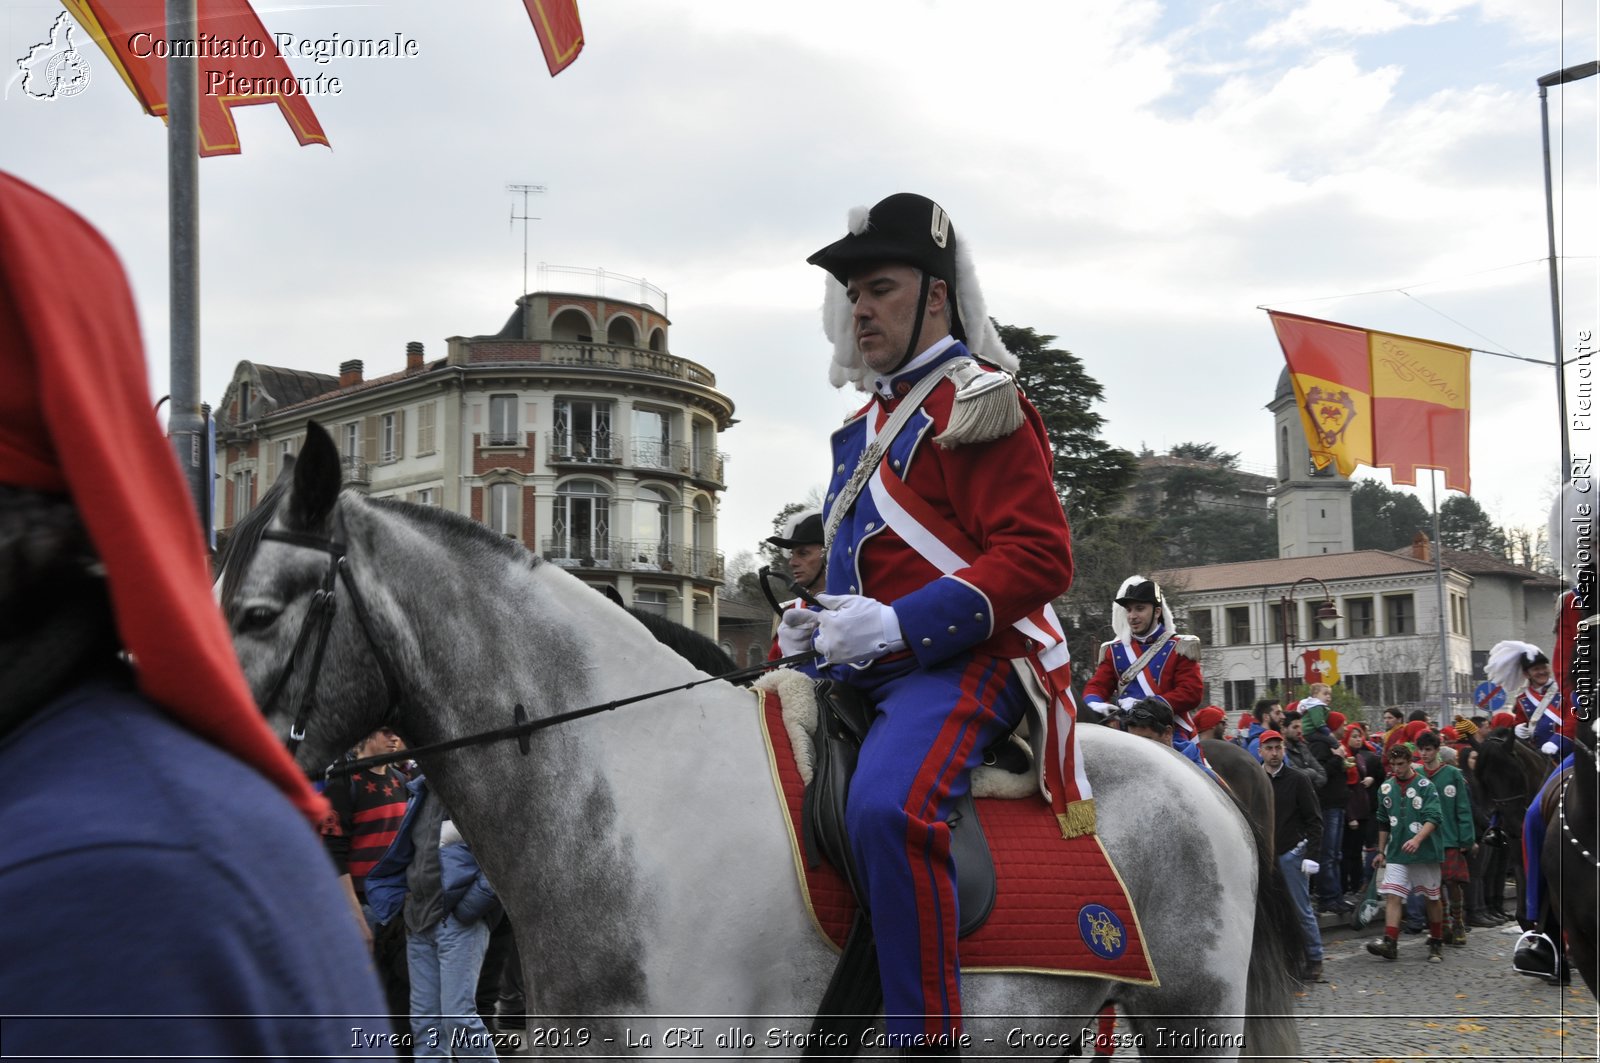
{"type": "Point", "coordinates": [1277, 951]}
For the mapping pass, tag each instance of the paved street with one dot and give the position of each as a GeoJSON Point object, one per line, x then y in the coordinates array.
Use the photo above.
{"type": "Point", "coordinates": [1469, 1007]}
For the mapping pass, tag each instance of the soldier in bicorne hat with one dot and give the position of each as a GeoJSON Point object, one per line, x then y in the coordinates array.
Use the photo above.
{"type": "Point", "coordinates": [946, 545]}
{"type": "Point", "coordinates": [1148, 657]}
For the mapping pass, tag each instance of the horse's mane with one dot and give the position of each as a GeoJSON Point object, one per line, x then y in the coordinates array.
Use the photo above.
{"type": "Point", "coordinates": [1501, 754]}
{"type": "Point", "coordinates": [452, 528]}
{"type": "Point", "coordinates": [458, 530]}
{"type": "Point", "coordinates": [245, 540]}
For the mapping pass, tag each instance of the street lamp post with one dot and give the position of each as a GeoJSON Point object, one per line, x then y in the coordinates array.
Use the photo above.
{"type": "Point", "coordinates": [1287, 617]}
{"type": "Point", "coordinates": [1559, 77]}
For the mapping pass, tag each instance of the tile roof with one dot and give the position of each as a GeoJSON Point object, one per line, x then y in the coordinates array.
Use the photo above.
{"type": "Point", "coordinates": [288, 387]}
{"type": "Point", "coordinates": [336, 392]}
{"type": "Point", "coordinates": [1357, 564]}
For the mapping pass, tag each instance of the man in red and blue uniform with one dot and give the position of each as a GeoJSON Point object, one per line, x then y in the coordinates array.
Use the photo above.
{"type": "Point", "coordinates": [1172, 671]}
{"type": "Point", "coordinates": [946, 544]}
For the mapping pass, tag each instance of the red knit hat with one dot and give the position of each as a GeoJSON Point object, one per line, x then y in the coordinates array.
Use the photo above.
{"type": "Point", "coordinates": [1502, 719]}
{"type": "Point", "coordinates": [1414, 728]}
{"type": "Point", "coordinates": [1207, 718]}
{"type": "Point", "coordinates": [1451, 734]}
{"type": "Point", "coordinates": [1335, 721]}
{"type": "Point", "coordinates": [76, 419]}
{"type": "Point", "coordinates": [1245, 720]}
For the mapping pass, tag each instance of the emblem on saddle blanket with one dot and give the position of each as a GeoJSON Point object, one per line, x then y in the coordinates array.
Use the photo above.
{"type": "Point", "coordinates": [1060, 907]}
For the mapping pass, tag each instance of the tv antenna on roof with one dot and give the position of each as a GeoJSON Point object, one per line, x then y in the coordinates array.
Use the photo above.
{"type": "Point", "coordinates": [524, 218]}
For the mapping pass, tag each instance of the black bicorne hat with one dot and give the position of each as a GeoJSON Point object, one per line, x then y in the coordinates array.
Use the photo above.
{"type": "Point", "coordinates": [1144, 592]}
{"type": "Point", "coordinates": [905, 228]}
{"type": "Point", "coordinates": [803, 529]}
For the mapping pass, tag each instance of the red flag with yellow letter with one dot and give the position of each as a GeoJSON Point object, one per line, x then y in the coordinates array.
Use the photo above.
{"type": "Point", "coordinates": [239, 64]}
{"type": "Point", "coordinates": [560, 32]}
{"type": "Point", "coordinates": [1379, 399]}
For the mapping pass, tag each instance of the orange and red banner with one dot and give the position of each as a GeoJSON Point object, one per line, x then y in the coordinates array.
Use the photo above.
{"type": "Point", "coordinates": [1379, 399]}
{"type": "Point", "coordinates": [239, 64]}
{"type": "Point", "coordinates": [560, 32]}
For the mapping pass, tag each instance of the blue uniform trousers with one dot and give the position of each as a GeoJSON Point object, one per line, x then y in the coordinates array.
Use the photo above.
{"type": "Point", "coordinates": [931, 731]}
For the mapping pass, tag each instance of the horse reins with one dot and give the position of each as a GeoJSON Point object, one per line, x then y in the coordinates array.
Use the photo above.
{"type": "Point", "coordinates": [523, 728]}
{"type": "Point", "coordinates": [319, 621]}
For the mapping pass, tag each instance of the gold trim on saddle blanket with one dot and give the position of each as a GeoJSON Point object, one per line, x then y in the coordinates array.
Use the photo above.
{"type": "Point", "coordinates": [792, 832]}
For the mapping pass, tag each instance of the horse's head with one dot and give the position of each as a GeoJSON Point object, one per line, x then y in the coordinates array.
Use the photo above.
{"type": "Point", "coordinates": [279, 573]}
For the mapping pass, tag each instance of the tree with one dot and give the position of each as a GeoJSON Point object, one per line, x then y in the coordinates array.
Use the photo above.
{"type": "Point", "coordinates": [1090, 473]}
{"type": "Point", "coordinates": [1463, 525]}
{"type": "Point", "coordinates": [1200, 509]}
{"type": "Point", "coordinates": [1385, 519]}
{"type": "Point", "coordinates": [1206, 452]}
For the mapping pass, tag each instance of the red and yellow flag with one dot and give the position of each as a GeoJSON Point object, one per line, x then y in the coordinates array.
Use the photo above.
{"type": "Point", "coordinates": [560, 32]}
{"type": "Point", "coordinates": [239, 64]}
{"type": "Point", "coordinates": [1321, 666]}
{"type": "Point", "coordinates": [1379, 399]}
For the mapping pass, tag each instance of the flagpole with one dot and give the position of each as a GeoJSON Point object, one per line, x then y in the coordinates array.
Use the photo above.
{"type": "Point", "coordinates": [185, 424]}
{"type": "Point", "coordinates": [1438, 582]}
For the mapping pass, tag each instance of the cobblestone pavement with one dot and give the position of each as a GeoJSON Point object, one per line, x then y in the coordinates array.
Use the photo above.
{"type": "Point", "coordinates": [1471, 1006]}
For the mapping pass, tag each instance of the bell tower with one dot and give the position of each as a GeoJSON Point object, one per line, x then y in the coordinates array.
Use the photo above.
{"type": "Point", "coordinates": [1313, 506]}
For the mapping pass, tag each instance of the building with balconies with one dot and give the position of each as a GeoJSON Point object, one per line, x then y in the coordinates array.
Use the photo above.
{"type": "Point", "coordinates": [573, 429]}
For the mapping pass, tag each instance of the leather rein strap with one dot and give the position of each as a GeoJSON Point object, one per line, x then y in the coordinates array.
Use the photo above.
{"type": "Point", "coordinates": [319, 621]}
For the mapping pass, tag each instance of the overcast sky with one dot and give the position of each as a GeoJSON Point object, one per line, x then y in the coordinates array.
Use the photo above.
{"type": "Point", "coordinates": [1134, 177]}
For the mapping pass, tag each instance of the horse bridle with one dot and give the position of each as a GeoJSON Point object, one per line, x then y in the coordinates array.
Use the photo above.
{"type": "Point", "coordinates": [319, 622]}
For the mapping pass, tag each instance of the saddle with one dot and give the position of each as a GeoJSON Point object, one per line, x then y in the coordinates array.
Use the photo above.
{"type": "Point", "coordinates": [843, 718]}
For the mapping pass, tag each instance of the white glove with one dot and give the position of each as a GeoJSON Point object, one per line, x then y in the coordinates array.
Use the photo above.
{"type": "Point", "coordinates": [1101, 707]}
{"type": "Point", "coordinates": [1551, 748]}
{"type": "Point", "coordinates": [854, 630]}
{"type": "Point", "coordinates": [795, 631]}
{"type": "Point", "coordinates": [1524, 730]}
{"type": "Point", "coordinates": [1309, 867]}
{"type": "Point", "coordinates": [1128, 703]}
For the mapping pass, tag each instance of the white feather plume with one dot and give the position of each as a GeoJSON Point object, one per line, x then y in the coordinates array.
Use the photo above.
{"type": "Point", "coordinates": [857, 219]}
{"type": "Point", "coordinates": [1504, 668]}
{"type": "Point", "coordinates": [1119, 613]}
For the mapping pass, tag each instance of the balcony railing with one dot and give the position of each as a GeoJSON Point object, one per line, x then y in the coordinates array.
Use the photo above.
{"type": "Point", "coordinates": [637, 359]}
{"type": "Point", "coordinates": [622, 555]}
{"type": "Point", "coordinates": [681, 458]}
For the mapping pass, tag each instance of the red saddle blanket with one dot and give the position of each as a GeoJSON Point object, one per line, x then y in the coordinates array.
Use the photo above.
{"type": "Point", "coordinates": [1061, 907]}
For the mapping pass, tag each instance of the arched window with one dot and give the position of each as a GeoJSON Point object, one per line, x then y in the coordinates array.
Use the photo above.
{"type": "Point", "coordinates": [571, 326]}
{"type": "Point", "coordinates": [658, 339]}
{"type": "Point", "coordinates": [621, 333]}
{"type": "Point", "coordinates": [581, 529]}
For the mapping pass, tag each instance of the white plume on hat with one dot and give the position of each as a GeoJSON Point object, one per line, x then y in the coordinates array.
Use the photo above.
{"type": "Point", "coordinates": [983, 339]}
{"type": "Point", "coordinates": [1506, 660]}
{"type": "Point", "coordinates": [1571, 534]}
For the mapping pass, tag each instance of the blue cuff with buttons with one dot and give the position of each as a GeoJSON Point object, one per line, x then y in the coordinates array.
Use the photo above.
{"type": "Point", "coordinates": [943, 618]}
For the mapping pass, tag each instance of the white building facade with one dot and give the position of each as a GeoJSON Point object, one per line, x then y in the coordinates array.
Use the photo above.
{"type": "Point", "coordinates": [573, 430]}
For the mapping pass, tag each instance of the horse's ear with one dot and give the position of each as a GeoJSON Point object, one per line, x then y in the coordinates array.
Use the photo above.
{"type": "Point", "coordinates": [316, 480]}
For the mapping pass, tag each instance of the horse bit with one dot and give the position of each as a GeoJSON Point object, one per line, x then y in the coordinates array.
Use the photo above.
{"type": "Point", "coordinates": [319, 620]}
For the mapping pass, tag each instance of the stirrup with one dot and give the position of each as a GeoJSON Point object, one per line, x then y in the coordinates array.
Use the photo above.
{"type": "Point", "coordinates": [1535, 948]}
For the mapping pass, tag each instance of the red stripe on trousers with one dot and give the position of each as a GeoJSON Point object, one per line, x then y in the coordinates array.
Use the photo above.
{"type": "Point", "coordinates": [928, 841]}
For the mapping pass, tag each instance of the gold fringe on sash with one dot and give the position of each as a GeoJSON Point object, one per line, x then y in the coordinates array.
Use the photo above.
{"type": "Point", "coordinates": [1078, 819]}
